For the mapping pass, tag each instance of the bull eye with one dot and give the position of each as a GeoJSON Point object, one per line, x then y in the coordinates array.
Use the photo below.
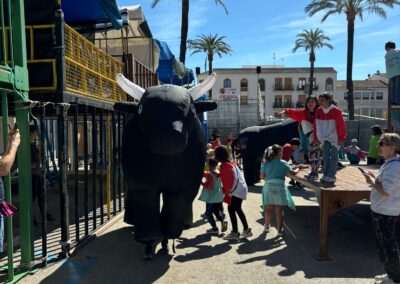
{"type": "Point", "coordinates": [193, 108]}
{"type": "Point", "coordinates": [140, 109]}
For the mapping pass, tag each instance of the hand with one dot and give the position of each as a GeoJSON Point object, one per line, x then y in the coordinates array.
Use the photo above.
{"type": "Point", "coordinates": [14, 137]}
{"type": "Point", "coordinates": [368, 179]}
{"type": "Point", "coordinates": [283, 112]}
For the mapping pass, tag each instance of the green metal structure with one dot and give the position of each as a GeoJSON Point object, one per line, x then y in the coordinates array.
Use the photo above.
{"type": "Point", "coordinates": [14, 87]}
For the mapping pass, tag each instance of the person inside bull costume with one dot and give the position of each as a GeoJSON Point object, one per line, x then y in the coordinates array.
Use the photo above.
{"type": "Point", "coordinates": [163, 155]}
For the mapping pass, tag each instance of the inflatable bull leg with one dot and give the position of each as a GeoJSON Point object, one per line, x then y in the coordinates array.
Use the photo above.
{"type": "Point", "coordinates": [163, 153]}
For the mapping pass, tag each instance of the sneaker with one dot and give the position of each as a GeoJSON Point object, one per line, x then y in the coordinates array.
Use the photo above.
{"type": "Point", "coordinates": [381, 277]}
{"type": "Point", "coordinates": [387, 280]}
{"type": "Point", "coordinates": [267, 228]}
{"type": "Point", "coordinates": [292, 182]}
{"type": "Point", "coordinates": [212, 231]}
{"type": "Point", "coordinates": [323, 179]}
{"type": "Point", "coordinates": [311, 176]}
{"type": "Point", "coordinates": [232, 236]}
{"type": "Point", "coordinates": [281, 233]}
{"type": "Point", "coordinates": [329, 179]}
{"type": "Point", "coordinates": [224, 226]}
{"type": "Point", "coordinates": [246, 234]}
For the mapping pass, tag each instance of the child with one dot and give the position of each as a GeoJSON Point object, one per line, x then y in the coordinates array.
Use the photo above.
{"type": "Point", "coordinates": [306, 118]}
{"type": "Point", "coordinates": [289, 151]}
{"type": "Point", "coordinates": [212, 195]}
{"type": "Point", "coordinates": [275, 195]}
{"type": "Point", "coordinates": [330, 131]}
{"type": "Point", "coordinates": [354, 153]}
{"type": "Point", "coordinates": [235, 189]}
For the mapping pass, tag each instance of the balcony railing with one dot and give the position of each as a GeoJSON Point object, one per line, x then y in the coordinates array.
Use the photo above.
{"type": "Point", "coordinates": [283, 105]}
{"type": "Point", "coordinates": [287, 87]}
{"type": "Point", "coordinates": [89, 71]}
{"type": "Point", "coordinates": [300, 104]}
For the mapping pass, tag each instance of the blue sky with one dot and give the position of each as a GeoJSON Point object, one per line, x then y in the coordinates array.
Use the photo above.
{"type": "Point", "coordinates": [256, 29]}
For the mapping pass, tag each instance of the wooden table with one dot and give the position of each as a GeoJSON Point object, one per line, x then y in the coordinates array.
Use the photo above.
{"type": "Point", "coordinates": [350, 187]}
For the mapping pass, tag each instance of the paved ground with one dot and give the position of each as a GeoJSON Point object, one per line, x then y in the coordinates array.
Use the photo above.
{"type": "Point", "coordinates": [114, 257]}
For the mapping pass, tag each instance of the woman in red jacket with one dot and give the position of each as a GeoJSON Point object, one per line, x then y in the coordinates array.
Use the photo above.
{"type": "Point", "coordinates": [306, 119]}
{"type": "Point", "coordinates": [235, 189]}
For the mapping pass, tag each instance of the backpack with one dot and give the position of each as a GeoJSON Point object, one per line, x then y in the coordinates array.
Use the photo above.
{"type": "Point", "coordinates": [240, 188]}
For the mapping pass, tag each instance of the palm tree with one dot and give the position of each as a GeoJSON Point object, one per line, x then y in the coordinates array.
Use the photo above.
{"type": "Point", "coordinates": [311, 40]}
{"type": "Point", "coordinates": [352, 9]}
{"type": "Point", "coordinates": [185, 24]}
{"type": "Point", "coordinates": [210, 44]}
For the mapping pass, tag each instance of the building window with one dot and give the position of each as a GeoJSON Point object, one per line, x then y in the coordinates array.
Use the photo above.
{"type": "Point", "coordinates": [278, 102]}
{"type": "Point", "coordinates": [302, 82]}
{"type": "Point", "coordinates": [227, 83]}
{"type": "Point", "coordinates": [278, 84]}
{"type": "Point", "coordinates": [379, 95]}
{"type": "Point", "coordinates": [372, 96]}
{"type": "Point", "coordinates": [261, 82]}
{"type": "Point", "coordinates": [357, 95]}
{"type": "Point", "coordinates": [345, 95]}
{"type": "Point", "coordinates": [329, 84]}
{"type": "Point", "coordinates": [288, 84]}
{"type": "Point", "coordinates": [365, 111]}
{"type": "Point", "coordinates": [244, 100]}
{"type": "Point", "coordinates": [287, 101]}
{"type": "Point", "coordinates": [301, 101]}
{"type": "Point", "coordinates": [365, 95]}
{"type": "Point", "coordinates": [244, 85]}
{"type": "Point", "coordinates": [379, 113]}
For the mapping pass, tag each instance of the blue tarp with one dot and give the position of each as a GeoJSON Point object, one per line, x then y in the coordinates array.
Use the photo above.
{"type": "Point", "coordinates": [165, 70]}
{"type": "Point", "coordinates": [84, 11]}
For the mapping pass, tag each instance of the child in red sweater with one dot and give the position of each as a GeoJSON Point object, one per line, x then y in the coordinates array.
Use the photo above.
{"type": "Point", "coordinates": [330, 131]}
{"type": "Point", "coordinates": [235, 189]}
{"type": "Point", "coordinates": [306, 119]}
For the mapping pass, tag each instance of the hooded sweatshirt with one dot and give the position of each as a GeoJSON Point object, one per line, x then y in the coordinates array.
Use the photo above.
{"type": "Point", "coordinates": [329, 126]}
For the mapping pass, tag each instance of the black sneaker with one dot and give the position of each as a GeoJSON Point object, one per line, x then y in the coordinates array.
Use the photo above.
{"type": "Point", "coordinates": [224, 226]}
{"type": "Point", "coordinates": [212, 231]}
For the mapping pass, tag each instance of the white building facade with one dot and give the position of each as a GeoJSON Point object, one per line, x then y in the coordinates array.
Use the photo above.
{"type": "Point", "coordinates": [370, 97]}
{"type": "Point", "coordinates": [236, 93]}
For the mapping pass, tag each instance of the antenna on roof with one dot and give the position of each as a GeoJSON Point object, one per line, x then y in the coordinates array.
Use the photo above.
{"type": "Point", "coordinates": [273, 56]}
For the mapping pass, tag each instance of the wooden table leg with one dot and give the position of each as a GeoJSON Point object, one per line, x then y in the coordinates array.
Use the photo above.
{"type": "Point", "coordinates": [323, 226]}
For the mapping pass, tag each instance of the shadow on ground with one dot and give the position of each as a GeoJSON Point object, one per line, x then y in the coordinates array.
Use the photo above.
{"type": "Point", "coordinates": [111, 258]}
{"type": "Point", "coordinates": [351, 245]}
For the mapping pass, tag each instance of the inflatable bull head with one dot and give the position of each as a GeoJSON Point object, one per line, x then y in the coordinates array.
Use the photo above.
{"type": "Point", "coordinates": [163, 152]}
{"type": "Point", "coordinates": [166, 113]}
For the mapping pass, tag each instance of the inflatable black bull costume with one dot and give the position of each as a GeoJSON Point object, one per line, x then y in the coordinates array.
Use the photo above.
{"type": "Point", "coordinates": [163, 154]}
{"type": "Point", "coordinates": [255, 139]}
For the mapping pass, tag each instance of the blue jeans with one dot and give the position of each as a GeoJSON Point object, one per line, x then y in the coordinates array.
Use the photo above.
{"type": "Point", "coordinates": [330, 156]}
{"type": "Point", "coordinates": [395, 90]}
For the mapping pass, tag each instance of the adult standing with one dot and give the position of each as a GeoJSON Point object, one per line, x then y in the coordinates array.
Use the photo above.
{"type": "Point", "coordinates": [372, 156]}
{"type": "Point", "coordinates": [392, 62]}
{"type": "Point", "coordinates": [385, 205]}
{"type": "Point", "coordinates": [6, 162]}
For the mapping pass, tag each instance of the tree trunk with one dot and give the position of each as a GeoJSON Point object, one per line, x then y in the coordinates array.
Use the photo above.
{"type": "Point", "coordinates": [312, 60]}
{"type": "Point", "coordinates": [210, 70]}
{"type": "Point", "coordinates": [184, 30]}
{"type": "Point", "coordinates": [349, 77]}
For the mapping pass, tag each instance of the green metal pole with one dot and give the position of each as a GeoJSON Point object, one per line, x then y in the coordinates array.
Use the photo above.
{"type": "Point", "coordinates": [7, 189]}
{"type": "Point", "coordinates": [22, 115]}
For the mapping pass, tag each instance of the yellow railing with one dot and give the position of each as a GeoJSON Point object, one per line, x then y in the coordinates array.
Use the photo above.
{"type": "Point", "coordinates": [89, 70]}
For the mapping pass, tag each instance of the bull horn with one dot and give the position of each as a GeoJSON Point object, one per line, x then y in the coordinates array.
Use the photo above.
{"type": "Point", "coordinates": [197, 91]}
{"type": "Point", "coordinates": [129, 87]}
